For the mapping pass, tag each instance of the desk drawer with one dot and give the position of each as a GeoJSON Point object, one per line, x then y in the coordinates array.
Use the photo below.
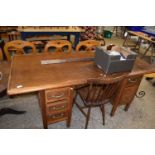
{"type": "Point", "coordinates": [57, 107]}
{"type": "Point", "coordinates": [57, 117]}
{"type": "Point", "coordinates": [56, 94]}
{"type": "Point", "coordinates": [132, 81]}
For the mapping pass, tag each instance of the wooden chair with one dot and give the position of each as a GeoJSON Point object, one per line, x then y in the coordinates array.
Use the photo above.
{"type": "Point", "coordinates": [87, 45]}
{"type": "Point", "coordinates": [59, 45]}
{"type": "Point", "coordinates": [17, 47]}
{"type": "Point", "coordinates": [96, 93]}
{"type": "Point", "coordinates": [13, 35]}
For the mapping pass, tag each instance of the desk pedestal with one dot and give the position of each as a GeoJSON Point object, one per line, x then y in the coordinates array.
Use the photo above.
{"type": "Point", "coordinates": [126, 93]}
{"type": "Point", "coordinates": [56, 105]}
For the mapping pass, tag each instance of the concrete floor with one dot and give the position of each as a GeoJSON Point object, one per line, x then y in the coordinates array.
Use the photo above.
{"type": "Point", "coordinates": [141, 114]}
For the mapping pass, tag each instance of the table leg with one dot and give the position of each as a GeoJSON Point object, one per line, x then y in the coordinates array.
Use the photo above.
{"type": "Point", "coordinates": [41, 96]}
{"type": "Point", "coordinates": [138, 44]}
{"type": "Point", "coordinates": [23, 36]}
{"type": "Point", "coordinates": [117, 98]}
{"type": "Point", "coordinates": [68, 37]}
{"type": "Point", "coordinates": [146, 50]}
{"type": "Point", "coordinates": [77, 38]}
{"type": "Point", "coordinates": [125, 40]}
{"type": "Point", "coordinates": [69, 120]}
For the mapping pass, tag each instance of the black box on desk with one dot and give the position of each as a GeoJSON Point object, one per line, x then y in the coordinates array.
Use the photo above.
{"type": "Point", "coordinates": [118, 60]}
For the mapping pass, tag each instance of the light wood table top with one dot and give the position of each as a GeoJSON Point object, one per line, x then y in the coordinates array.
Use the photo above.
{"type": "Point", "coordinates": [142, 35]}
{"type": "Point", "coordinates": [50, 29]}
{"type": "Point", "coordinates": [29, 75]}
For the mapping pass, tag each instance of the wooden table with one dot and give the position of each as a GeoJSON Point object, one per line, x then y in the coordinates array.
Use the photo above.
{"type": "Point", "coordinates": [55, 82]}
{"type": "Point", "coordinates": [63, 30]}
{"type": "Point", "coordinates": [140, 35]}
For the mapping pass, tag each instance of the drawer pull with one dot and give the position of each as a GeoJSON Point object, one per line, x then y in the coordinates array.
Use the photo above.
{"type": "Point", "coordinates": [58, 96]}
{"type": "Point", "coordinates": [132, 80]}
{"type": "Point", "coordinates": [57, 116]}
{"type": "Point", "coordinates": [59, 108]}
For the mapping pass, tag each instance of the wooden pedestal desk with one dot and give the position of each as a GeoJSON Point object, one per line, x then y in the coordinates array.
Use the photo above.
{"type": "Point", "coordinates": [55, 82]}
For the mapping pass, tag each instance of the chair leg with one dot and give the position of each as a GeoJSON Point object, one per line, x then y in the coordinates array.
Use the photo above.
{"type": "Point", "coordinates": [146, 51]}
{"type": "Point", "coordinates": [103, 113]}
{"type": "Point", "coordinates": [125, 40]}
{"type": "Point", "coordinates": [74, 98]}
{"type": "Point", "coordinates": [87, 117]}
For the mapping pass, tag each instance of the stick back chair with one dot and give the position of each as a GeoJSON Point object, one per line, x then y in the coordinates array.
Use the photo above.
{"type": "Point", "coordinates": [17, 47]}
{"type": "Point", "coordinates": [87, 45]}
{"type": "Point", "coordinates": [96, 93]}
{"type": "Point", "coordinates": [13, 35]}
{"type": "Point", "coordinates": [58, 45]}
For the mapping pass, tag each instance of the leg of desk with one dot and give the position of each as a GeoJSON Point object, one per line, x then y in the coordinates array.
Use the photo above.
{"type": "Point", "coordinates": [146, 50]}
{"type": "Point", "coordinates": [125, 40]}
{"type": "Point", "coordinates": [117, 98]}
{"type": "Point", "coordinates": [71, 99]}
{"type": "Point", "coordinates": [77, 38]}
{"type": "Point", "coordinates": [41, 96]}
{"type": "Point", "coordinates": [127, 106]}
{"type": "Point", "coordinates": [69, 120]}
{"type": "Point", "coordinates": [138, 44]}
{"type": "Point", "coordinates": [68, 37]}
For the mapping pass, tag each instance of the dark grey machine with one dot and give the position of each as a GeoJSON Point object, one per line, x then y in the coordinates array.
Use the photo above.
{"type": "Point", "coordinates": [109, 63]}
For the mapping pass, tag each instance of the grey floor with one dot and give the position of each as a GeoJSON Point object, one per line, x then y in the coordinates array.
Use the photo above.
{"type": "Point", "coordinates": [141, 114]}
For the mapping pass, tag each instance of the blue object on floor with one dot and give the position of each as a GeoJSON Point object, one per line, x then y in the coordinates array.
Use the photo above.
{"type": "Point", "coordinates": [135, 28]}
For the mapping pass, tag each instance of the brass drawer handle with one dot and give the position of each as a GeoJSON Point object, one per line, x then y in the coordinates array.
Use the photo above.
{"type": "Point", "coordinates": [57, 116]}
{"type": "Point", "coordinates": [59, 108]}
{"type": "Point", "coordinates": [132, 80]}
{"type": "Point", "coordinates": [58, 96]}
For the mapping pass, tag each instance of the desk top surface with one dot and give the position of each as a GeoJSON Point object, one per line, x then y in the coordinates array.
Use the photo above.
{"type": "Point", "coordinates": [142, 35]}
{"type": "Point", "coordinates": [29, 75]}
{"type": "Point", "coordinates": [50, 29]}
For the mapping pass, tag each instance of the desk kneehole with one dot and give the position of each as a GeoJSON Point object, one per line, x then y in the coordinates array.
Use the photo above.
{"type": "Point", "coordinates": [56, 105]}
